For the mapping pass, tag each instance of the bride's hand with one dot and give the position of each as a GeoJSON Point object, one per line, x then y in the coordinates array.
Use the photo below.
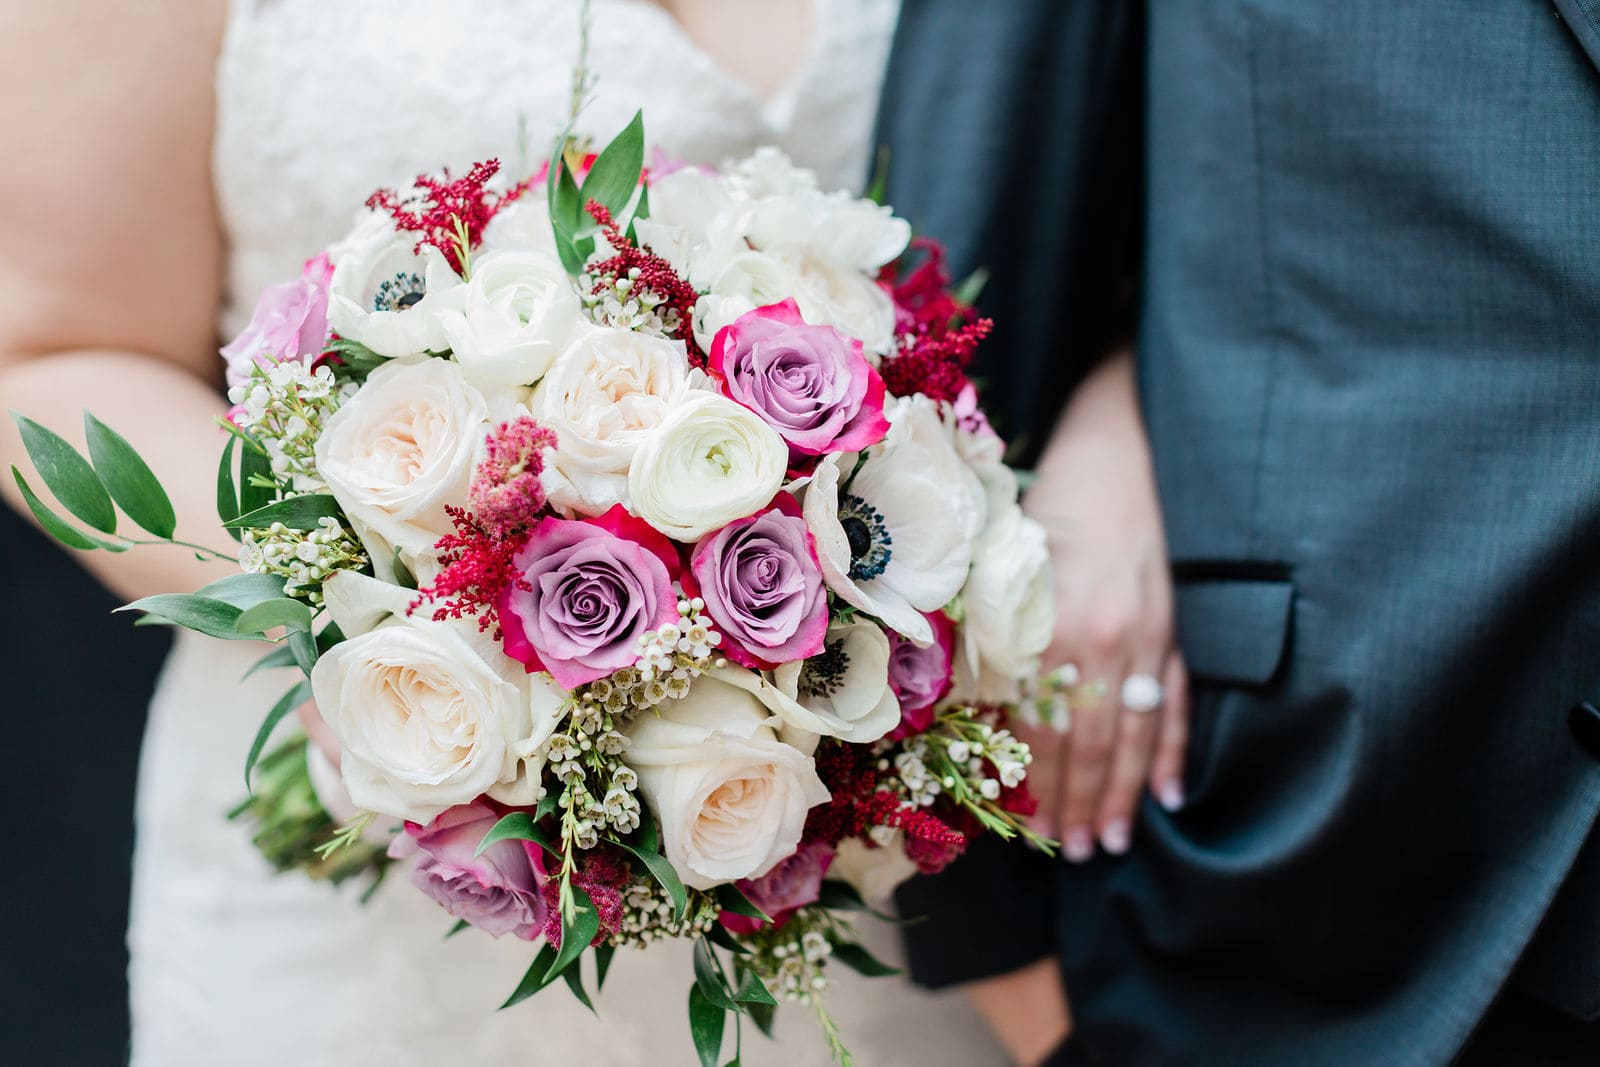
{"type": "Point", "coordinates": [317, 731]}
{"type": "Point", "coordinates": [1096, 498]}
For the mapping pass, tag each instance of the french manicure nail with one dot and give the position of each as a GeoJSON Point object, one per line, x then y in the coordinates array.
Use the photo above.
{"type": "Point", "coordinates": [1171, 794]}
{"type": "Point", "coordinates": [1115, 837]}
{"type": "Point", "coordinates": [1078, 845]}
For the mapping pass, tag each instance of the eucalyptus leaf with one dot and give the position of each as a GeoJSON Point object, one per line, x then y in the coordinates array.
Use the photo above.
{"type": "Point", "coordinates": [576, 932]}
{"type": "Point", "coordinates": [286, 703]}
{"type": "Point", "coordinates": [243, 590]}
{"type": "Point", "coordinates": [67, 475]}
{"type": "Point", "coordinates": [616, 170]}
{"type": "Point", "coordinates": [214, 618]}
{"type": "Point", "coordinates": [515, 826]}
{"type": "Point", "coordinates": [282, 656]}
{"type": "Point", "coordinates": [534, 979]}
{"type": "Point", "coordinates": [269, 614]}
{"type": "Point", "coordinates": [129, 480]}
{"type": "Point", "coordinates": [56, 526]}
{"type": "Point", "coordinates": [706, 1022]}
{"type": "Point", "coordinates": [303, 647]}
{"type": "Point", "coordinates": [297, 513]}
{"type": "Point", "coordinates": [861, 961]}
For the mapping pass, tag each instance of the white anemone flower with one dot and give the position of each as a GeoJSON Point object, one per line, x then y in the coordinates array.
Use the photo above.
{"type": "Point", "coordinates": [386, 294]}
{"type": "Point", "coordinates": [895, 528]}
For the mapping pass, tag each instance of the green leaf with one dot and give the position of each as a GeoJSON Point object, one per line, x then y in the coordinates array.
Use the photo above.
{"type": "Point", "coordinates": [840, 896]}
{"type": "Point", "coordinates": [534, 979]}
{"type": "Point", "coordinates": [58, 527]}
{"type": "Point", "coordinates": [129, 480]}
{"type": "Point", "coordinates": [708, 978]}
{"type": "Point", "coordinates": [68, 475]}
{"type": "Point", "coordinates": [303, 647]}
{"type": "Point", "coordinates": [649, 833]}
{"type": "Point", "coordinates": [762, 1015]}
{"type": "Point", "coordinates": [615, 174]}
{"type": "Point", "coordinates": [214, 618]}
{"type": "Point", "coordinates": [566, 204]}
{"type": "Point", "coordinates": [331, 635]}
{"type": "Point", "coordinates": [243, 590]}
{"type": "Point", "coordinates": [282, 656]}
{"type": "Point", "coordinates": [574, 979]}
{"type": "Point", "coordinates": [860, 960]}
{"type": "Point", "coordinates": [732, 900]}
{"type": "Point", "coordinates": [967, 292]}
{"type": "Point", "coordinates": [662, 872]}
{"type": "Point", "coordinates": [706, 1022]}
{"type": "Point", "coordinates": [227, 492]}
{"type": "Point", "coordinates": [402, 574]}
{"type": "Point", "coordinates": [576, 933]}
{"type": "Point", "coordinates": [638, 210]}
{"type": "Point", "coordinates": [297, 513]}
{"type": "Point", "coordinates": [254, 467]}
{"type": "Point", "coordinates": [285, 611]}
{"type": "Point", "coordinates": [718, 935]}
{"type": "Point", "coordinates": [878, 188]}
{"type": "Point", "coordinates": [602, 963]}
{"type": "Point", "coordinates": [517, 826]}
{"type": "Point", "coordinates": [754, 991]}
{"type": "Point", "coordinates": [286, 703]}
{"type": "Point", "coordinates": [547, 806]}
{"type": "Point", "coordinates": [461, 924]}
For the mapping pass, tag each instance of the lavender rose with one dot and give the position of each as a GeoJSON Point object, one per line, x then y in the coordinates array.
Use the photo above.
{"type": "Point", "coordinates": [498, 892]}
{"type": "Point", "coordinates": [589, 591]}
{"type": "Point", "coordinates": [763, 585]}
{"type": "Point", "coordinates": [290, 321]}
{"type": "Point", "coordinates": [792, 884]}
{"type": "Point", "coordinates": [921, 675]}
{"type": "Point", "coordinates": [810, 383]}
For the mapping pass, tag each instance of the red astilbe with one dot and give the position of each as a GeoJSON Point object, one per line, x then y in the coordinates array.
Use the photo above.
{"type": "Point", "coordinates": [938, 335]}
{"type": "Point", "coordinates": [860, 801]}
{"type": "Point", "coordinates": [605, 876]}
{"type": "Point", "coordinates": [478, 567]}
{"type": "Point", "coordinates": [434, 208]}
{"type": "Point", "coordinates": [656, 276]}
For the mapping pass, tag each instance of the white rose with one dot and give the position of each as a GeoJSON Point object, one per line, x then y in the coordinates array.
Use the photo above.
{"type": "Point", "coordinates": [875, 873]}
{"type": "Point", "coordinates": [602, 396]}
{"type": "Point", "coordinates": [1009, 600]}
{"type": "Point", "coordinates": [843, 691]}
{"type": "Point", "coordinates": [400, 450]}
{"type": "Point", "coordinates": [834, 295]}
{"type": "Point", "coordinates": [731, 799]}
{"type": "Point", "coordinates": [709, 462]}
{"type": "Point", "coordinates": [517, 312]}
{"type": "Point", "coordinates": [387, 295]}
{"type": "Point", "coordinates": [428, 714]}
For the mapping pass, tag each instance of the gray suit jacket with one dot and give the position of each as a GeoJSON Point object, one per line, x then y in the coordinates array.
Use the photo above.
{"type": "Point", "coordinates": [1369, 339]}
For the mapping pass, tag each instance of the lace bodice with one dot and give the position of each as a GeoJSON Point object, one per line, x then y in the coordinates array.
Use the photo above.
{"type": "Point", "coordinates": [319, 102]}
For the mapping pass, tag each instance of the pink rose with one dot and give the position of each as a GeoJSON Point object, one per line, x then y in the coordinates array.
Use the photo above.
{"type": "Point", "coordinates": [763, 585]}
{"type": "Point", "coordinates": [498, 892]}
{"type": "Point", "coordinates": [587, 591]}
{"type": "Point", "coordinates": [791, 885]}
{"type": "Point", "coordinates": [290, 322]}
{"type": "Point", "coordinates": [810, 383]}
{"type": "Point", "coordinates": [921, 677]}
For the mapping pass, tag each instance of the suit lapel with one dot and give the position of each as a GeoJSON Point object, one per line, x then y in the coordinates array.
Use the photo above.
{"type": "Point", "coordinates": [1583, 19]}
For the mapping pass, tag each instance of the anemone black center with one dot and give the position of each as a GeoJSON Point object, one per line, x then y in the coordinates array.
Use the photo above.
{"type": "Point", "coordinates": [408, 300]}
{"type": "Point", "coordinates": [859, 535]}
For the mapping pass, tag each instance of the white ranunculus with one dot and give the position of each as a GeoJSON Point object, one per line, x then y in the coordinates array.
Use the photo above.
{"type": "Point", "coordinates": [400, 450]}
{"type": "Point", "coordinates": [875, 873]}
{"type": "Point", "coordinates": [709, 462]}
{"type": "Point", "coordinates": [516, 314]}
{"type": "Point", "coordinates": [1009, 599]}
{"type": "Point", "coordinates": [429, 714]}
{"type": "Point", "coordinates": [769, 172]}
{"type": "Point", "coordinates": [736, 284]}
{"type": "Point", "coordinates": [730, 797]}
{"type": "Point", "coordinates": [522, 224]}
{"type": "Point", "coordinates": [898, 542]}
{"type": "Point", "coordinates": [843, 691]}
{"type": "Point", "coordinates": [834, 295]}
{"type": "Point", "coordinates": [602, 397]}
{"type": "Point", "coordinates": [386, 294]}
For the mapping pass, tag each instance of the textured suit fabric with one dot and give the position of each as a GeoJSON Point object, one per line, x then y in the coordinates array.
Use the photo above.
{"type": "Point", "coordinates": [1369, 347]}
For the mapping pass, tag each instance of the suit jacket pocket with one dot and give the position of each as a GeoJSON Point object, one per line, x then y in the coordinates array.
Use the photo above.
{"type": "Point", "coordinates": [1233, 620]}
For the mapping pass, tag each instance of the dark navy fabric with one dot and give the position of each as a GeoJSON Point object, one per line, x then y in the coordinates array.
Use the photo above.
{"type": "Point", "coordinates": [1369, 348]}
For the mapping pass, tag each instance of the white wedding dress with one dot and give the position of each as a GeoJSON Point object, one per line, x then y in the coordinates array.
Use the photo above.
{"type": "Point", "coordinates": [318, 103]}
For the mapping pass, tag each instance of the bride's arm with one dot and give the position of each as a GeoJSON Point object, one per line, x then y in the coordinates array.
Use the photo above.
{"type": "Point", "coordinates": [110, 253]}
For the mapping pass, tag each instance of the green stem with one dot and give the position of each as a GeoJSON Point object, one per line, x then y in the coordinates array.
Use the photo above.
{"type": "Point", "coordinates": [213, 553]}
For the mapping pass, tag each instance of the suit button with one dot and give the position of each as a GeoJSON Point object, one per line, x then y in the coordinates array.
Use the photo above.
{"type": "Point", "coordinates": [1584, 721]}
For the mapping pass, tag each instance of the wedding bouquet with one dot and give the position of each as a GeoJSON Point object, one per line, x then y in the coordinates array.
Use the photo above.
{"type": "Point", "coordinates": [645, 550]}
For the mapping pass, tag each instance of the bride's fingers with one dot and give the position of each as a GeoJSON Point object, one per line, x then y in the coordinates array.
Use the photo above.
{"type": "Point", "coordinates": [1044, 776]}
{"type": "Point", "coordinates": [1166, 767]}
{"type": "Point", "coordinates": [1090, 744]}
{"type": "Point", "coordinates": [1130, 767]}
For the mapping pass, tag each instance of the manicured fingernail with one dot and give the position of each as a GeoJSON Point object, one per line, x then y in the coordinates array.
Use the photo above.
{"type": "Point", "coordinates": [1115, 837]}
{"type": "Point", "coordinates": [1078, 845]}
{"type": "Point", "coordinates": [1171, 794]}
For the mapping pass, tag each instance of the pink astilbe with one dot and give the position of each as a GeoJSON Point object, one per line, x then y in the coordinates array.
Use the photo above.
{"type": "Point", "coordinates": [440, 209]}
{"type": "Point", "coordinates": [605, 876]}
{"type": "Point", "coordinates": [506, 495]}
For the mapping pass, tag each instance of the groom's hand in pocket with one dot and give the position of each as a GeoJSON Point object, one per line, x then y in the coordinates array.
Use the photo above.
{"type": "Point", "coordinates": [1096, 497]}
